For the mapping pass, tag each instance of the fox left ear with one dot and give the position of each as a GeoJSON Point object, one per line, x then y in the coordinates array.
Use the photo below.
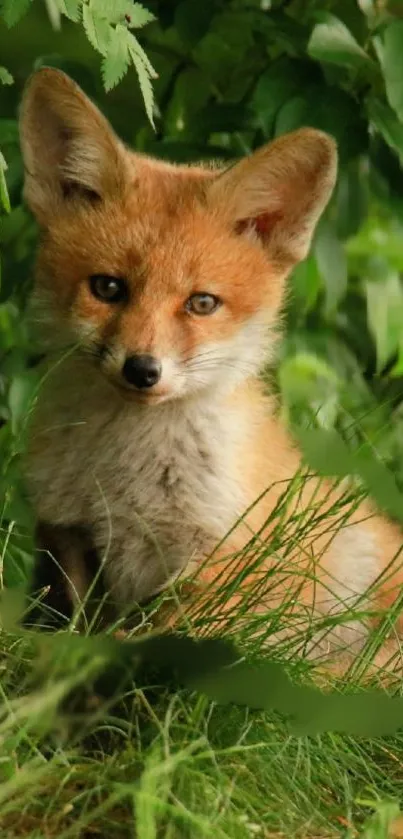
{"type": "Point", "coordinates": [68, 146]}
{"type": "Point", "coordinates": [279, 192]}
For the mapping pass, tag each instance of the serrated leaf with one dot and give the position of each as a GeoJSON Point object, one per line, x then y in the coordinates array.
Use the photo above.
{"type": "Point", "coordinates": [387, 123]}
{"type": "Point", "coordinates": [332, 42]}
{"type": "Point", "coordinates": [13, 10]}
{"type": "Point", "coordinates": [145, 71]}
{"type": "Point", "coordinates": [117, 58]}
{"type": "Point", "coordinates": [71, 8]}
{"type": "Point", "coordinates": [145, 86]}
{"type": "Point", "coordinates": [114, 11]}
{"type": "Point", "coordinates": [140, 16]}
{"type": "Point", "coordinates": [118, 11]}
{"type": "Point", "coordinates": [392, 65]}
{"type": "Point", "coordinates": [5, 76]}
{"type": "Point", "coordinates": [137, 50]}
{"type": "Point", "coordinates": [99, 32]}
{"type": "Point", "coordinates": [4, 197]}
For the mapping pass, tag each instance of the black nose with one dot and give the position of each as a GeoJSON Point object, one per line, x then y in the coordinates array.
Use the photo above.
{"type": "Point", "coordinates": [142, 370]}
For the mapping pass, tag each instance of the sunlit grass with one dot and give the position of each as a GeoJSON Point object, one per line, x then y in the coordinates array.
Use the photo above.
{"type": "Point", "coordinates": [175, 765]}
{"type": "Point", "coordinates": [162, 761]}
{"type": "Point", "coordinates": [165, 762]}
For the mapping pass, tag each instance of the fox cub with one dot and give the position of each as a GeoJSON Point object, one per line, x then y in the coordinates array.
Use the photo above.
{"type": "Point", "coordinates": [158, 295]}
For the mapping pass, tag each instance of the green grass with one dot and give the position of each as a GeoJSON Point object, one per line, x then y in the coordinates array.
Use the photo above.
{"type": "Point", "coordinates": [168, 763]}
{"type": "Point", "coordinates": [162, 761]}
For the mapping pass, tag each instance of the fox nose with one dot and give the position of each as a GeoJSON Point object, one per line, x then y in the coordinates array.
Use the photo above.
{"type": "Point", "coordinates": [142, 371]}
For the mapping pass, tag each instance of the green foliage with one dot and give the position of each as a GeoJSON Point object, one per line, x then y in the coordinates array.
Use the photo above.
{"type": "Point", "coordinates": [211, 666]}
{"type": "Point", "coordinates": [197, 79]}
{"type": "Point", "coordinates": [227, 78]}
{"type": "Point", "coordinates": [380, 825]}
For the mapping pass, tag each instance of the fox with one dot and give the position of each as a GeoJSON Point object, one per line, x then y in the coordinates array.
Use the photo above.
{"type": "Point", "coordinates": [155, 444]}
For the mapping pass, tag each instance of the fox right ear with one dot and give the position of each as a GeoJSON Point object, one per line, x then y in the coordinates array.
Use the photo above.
{"type": "Point", "coordinates": [278, 193]}
{"type": "Point", "coordinates": [69, 148]}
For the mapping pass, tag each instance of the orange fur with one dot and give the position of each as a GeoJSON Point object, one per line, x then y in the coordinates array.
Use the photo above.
{"type": "Point", "coordinates": [169, 232]}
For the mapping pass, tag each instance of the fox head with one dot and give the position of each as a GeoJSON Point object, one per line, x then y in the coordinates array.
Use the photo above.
{"type": "Point", "coordinates": [170, 279]}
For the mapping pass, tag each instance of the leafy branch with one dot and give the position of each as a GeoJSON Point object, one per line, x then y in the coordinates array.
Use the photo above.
{"type": "Point", "coordinates": [108, 25]}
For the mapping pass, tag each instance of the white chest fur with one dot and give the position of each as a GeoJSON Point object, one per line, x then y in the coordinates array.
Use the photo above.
{"type": "Point", "coordinates": [157, 486]}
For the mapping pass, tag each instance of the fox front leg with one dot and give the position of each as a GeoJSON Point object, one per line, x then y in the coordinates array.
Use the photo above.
{"type": "Point", "coordinates": [66, 577]}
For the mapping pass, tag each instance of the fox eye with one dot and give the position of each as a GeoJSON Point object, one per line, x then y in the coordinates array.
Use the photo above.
{"type": "Point", "coordinates": [202, 303]}
{"type": "Point", "coordinates": [108, 289]}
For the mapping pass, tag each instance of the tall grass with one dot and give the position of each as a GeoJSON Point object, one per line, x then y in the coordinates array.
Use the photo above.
{"type": "Point", "coordinates": [162, 761]}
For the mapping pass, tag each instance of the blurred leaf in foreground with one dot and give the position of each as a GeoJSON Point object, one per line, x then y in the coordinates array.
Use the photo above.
{"type": "Point", "coordinates": [213, 667]}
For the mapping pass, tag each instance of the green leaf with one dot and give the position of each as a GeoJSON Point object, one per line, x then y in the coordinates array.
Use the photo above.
{"type": "Point", "coordinates": [392, 65]}
{"type": "Point", "coordinates": [332, 264]}
{"type": "Point", "coordinates": [192, 19]}
{"type": "Point", "coordinates": [20, 398]}
{"type": "Point", "coordinates": [112, 10]}
{"type": "Point", "coordinates": [137, 52]}
{"type": "Point", "coordinates": [54, 13]}
{"type": "Point", "coordinates": [228, 117]}
{"type": "Point", "coordinates": [264, 684]}
{"type": "Point", "coordinates": [71, 8]}
{"type": "Point", "coordinates": [292, 115]}
{"type": "Point", "coordinates": [123, 11]}
{"type": "Point", "coordinates": [117, 58]}
{"type": "Point", "coordinates": [145, 87]}
{"type": "Point", "coordinates": [352, 200]}
{"type": "Point", "coordinates": [381, 824]}
{"type": "Point", "coordinates": [380, 482]}
{"type": "Point", "coordinates": [377, 238]}
{"type": "Point", "coordinates": [385, 313]}
{"type": "Point", "coordinates": [276, 86]}
{"type": "Point", "coordinates": [187, 105]}
{"type": "Point", "coordinates": [99, 32]}
{"type": "Point", "coordinates": [386, 122]}
{"type": "Point", "coordinates": [306, 283]}
{"type": "Point", "coordinates": [332, 42]}
{"type": "Point", "coordinates": [328, 455]}
{"type": "Point", "coordinates": [330, 109]}
{"type": "Point", "coordinates": [4, 196]}
{"type": "Point", "coordinates": [227, 54]}
{"type": "Point", "coordinates": [140, 16]}
{"type": "Point", "coordinates": [5, 76]}
{"type": "Point", "coordinates": [13, 10]}
{"type": "Point", "coordinates": [325, 452]}
{"type": "Point", "coordinates": [211, 666]}
{"type": "Point", "coordinates": [306, 379]}
{"type": "Point", "coordinates": [145, 73]}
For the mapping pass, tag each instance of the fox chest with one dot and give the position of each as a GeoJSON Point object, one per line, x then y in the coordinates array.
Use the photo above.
{"type": "Point", "coordinates": [155, 489]}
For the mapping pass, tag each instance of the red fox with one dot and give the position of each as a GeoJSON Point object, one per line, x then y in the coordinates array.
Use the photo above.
{"type": "Point", "coordinates": [158, 291]}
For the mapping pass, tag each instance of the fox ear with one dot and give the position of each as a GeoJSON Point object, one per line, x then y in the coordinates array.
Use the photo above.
{"type": "Point", "coordinates": [68, 147]}
{"type": "Point", "coordinates": [278, 194]}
